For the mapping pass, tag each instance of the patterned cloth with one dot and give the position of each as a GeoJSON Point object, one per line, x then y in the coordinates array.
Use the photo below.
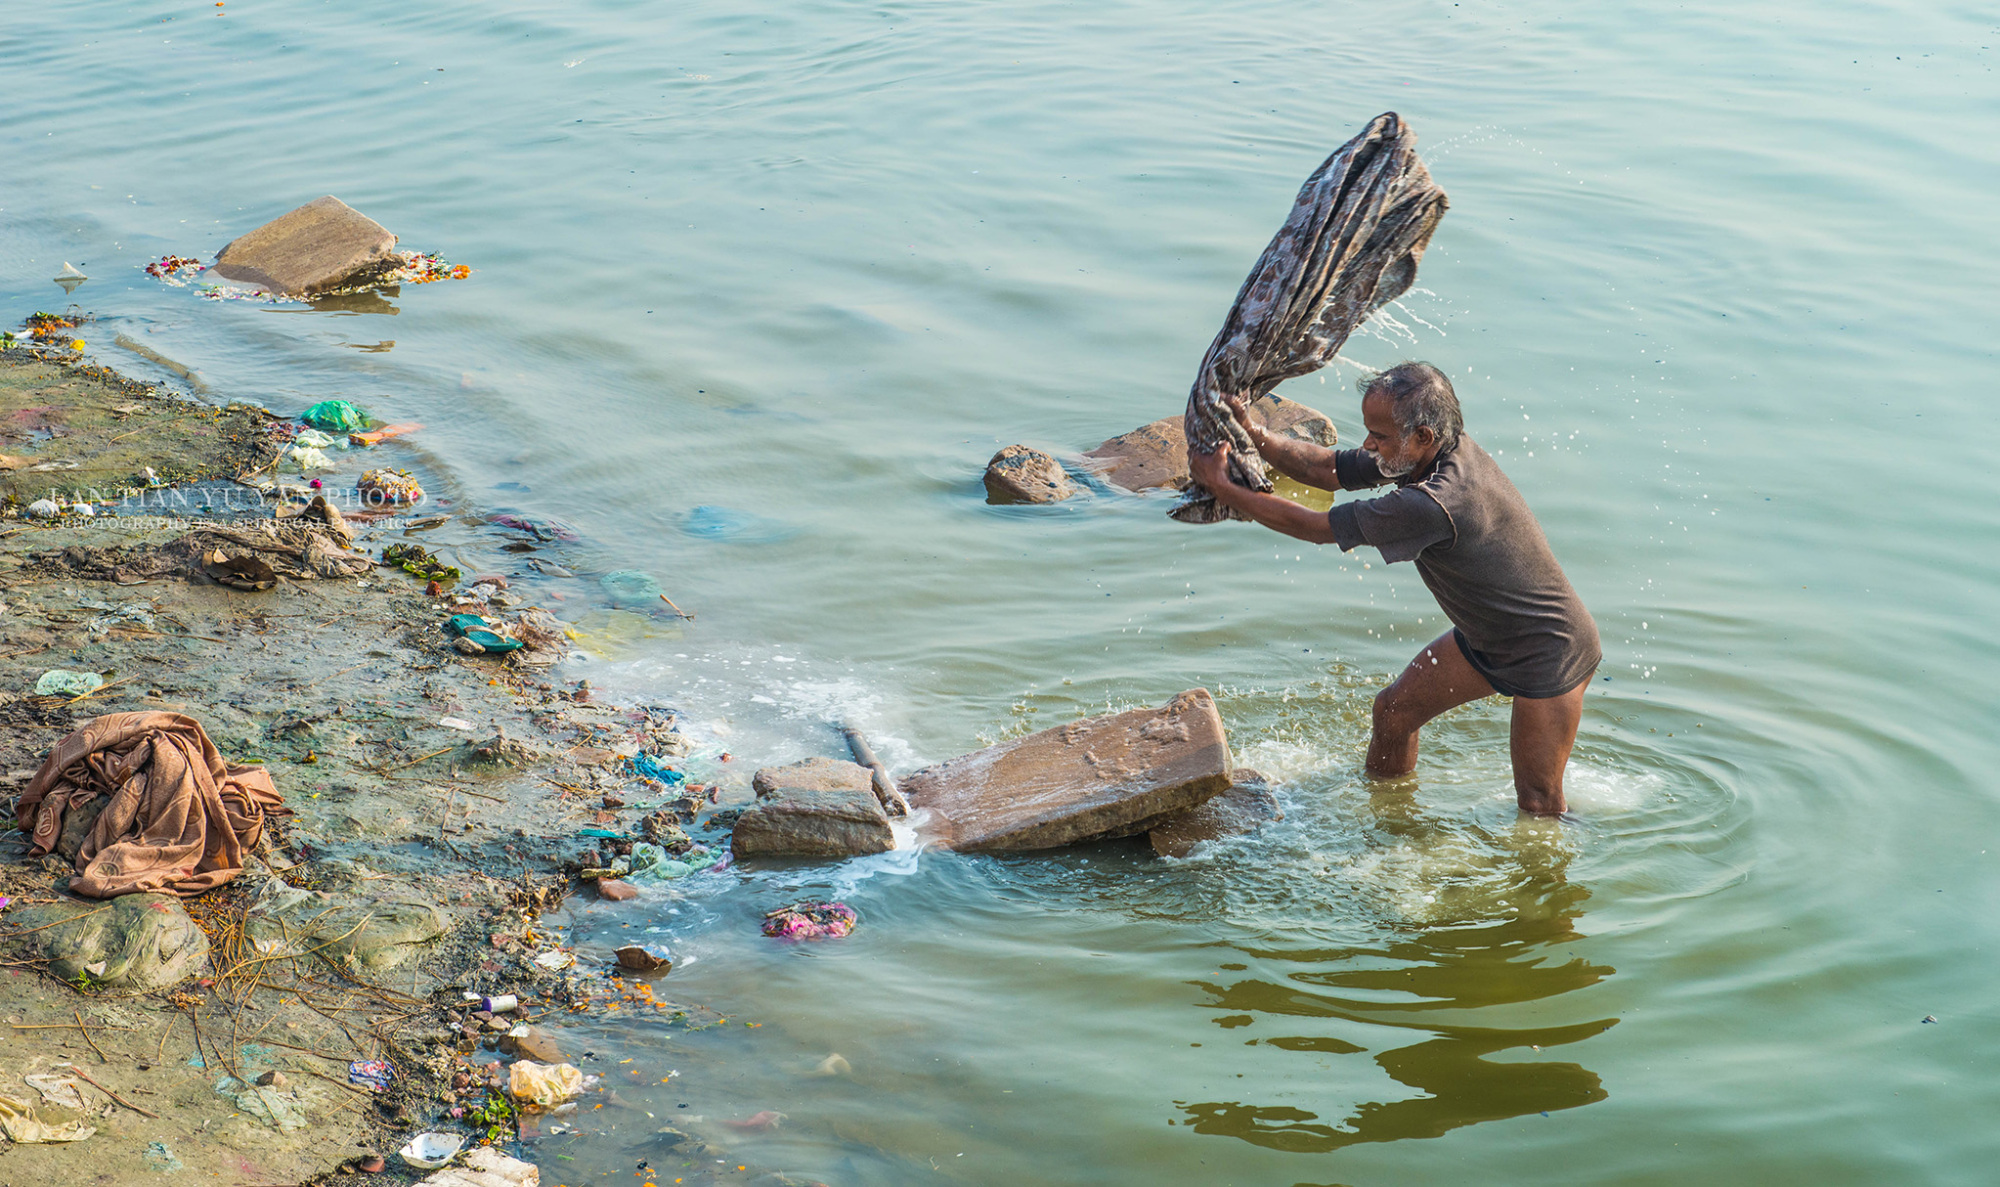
{"type": "Point", "coordinates": [1351, 246]}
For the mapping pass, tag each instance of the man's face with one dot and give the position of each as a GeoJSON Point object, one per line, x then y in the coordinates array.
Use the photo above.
{"type": "Point", "coordinates": [1395, 453]}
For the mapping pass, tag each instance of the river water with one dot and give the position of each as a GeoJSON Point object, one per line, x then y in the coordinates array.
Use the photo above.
{"type": "Point", "coordinates": [758, 289]}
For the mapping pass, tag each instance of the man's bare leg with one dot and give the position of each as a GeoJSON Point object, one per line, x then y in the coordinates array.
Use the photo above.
{"type": "Point", "coordinates": [1540, 739]}
{"type": "Point", "coordinates": [1437, 680]}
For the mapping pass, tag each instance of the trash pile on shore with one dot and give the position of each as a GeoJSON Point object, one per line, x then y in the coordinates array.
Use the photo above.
{"type": "Point", "coordinates": [307, 807]}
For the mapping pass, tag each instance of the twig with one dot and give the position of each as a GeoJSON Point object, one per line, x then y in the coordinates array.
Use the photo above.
{"type": "Point", "coordinates": [65, 1026]}
{"type": "Point", "coordinates": [100, 688]}
{"type": "Point", "coordinates": [684, 614]}
{"type": "Point", "coordinates": [101, 1056]}
{"type": "Point", "coordinates": [342, 672]}
{"type": "Point", "coordinates": [114, 1096]}
{"type": "Point", "coordinates": [413, 762]}
{"type": "Point", "coordinates": [58, 923]}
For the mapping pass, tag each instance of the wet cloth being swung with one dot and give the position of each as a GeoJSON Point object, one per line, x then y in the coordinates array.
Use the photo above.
{"type": "Point", "coordinates": [1350, 246]}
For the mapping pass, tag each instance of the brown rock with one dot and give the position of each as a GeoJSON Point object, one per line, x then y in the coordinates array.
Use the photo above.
{"type": "Point", "coordinates": [274, 1079]}
{"type": "Point", "coordinates": [1245, 807]}
{"type": "Point", "coordinates": [1099, 777]}
{"type": "Point", "coordinates": [325, 244]}
{"type": "Point", "coordinates": [531, 1042]}
{"type": "Point", "coordinates": [1156, 454]}
{"type": "Point", "coordinates": [807, 822]}
{"type": "Point", "coordinates": [814, 774]}
{"type": "Point", "coordinates": [616, 891]}
{"type": "Point", "coordinates": [1018, 474]}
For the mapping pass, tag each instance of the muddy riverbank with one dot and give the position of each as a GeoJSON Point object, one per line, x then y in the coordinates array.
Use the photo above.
{"type": "Point", "coordinates": [440, 805]}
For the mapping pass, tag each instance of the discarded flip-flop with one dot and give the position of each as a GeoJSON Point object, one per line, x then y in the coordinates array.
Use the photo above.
{"type": "Point", "coordinates": [477, 630]}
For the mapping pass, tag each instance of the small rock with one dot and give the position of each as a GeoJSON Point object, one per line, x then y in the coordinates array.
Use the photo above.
{"type": "Point", "coordinates": [531, 1042]}
{"type": "Point", "coordinates": [274, 1079]}
{"type": "Point", "coordinates": [616, 891]}
{"type": "Point", "coordinates": [797, 822]}
{"type": "Point", "coordinates": [1018, 474]}
{"type": "Point", "coordinates": [498, 1025]}
{"type": "Point", "coordinates": [372, 1163]}
{"type": "Point", "coordinates": [612, 801]}
{"type": "Point", "coordinates": [814, 774]}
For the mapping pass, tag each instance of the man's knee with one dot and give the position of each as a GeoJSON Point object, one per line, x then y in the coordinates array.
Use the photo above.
{"type": "Point", "coordinates": [1391, 715]}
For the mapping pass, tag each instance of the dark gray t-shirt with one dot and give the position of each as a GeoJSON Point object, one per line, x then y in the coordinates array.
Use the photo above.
{"type": "Point", "coordinates": [1485, 559]}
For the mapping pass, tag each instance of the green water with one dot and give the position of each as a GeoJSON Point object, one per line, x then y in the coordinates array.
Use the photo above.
{"type": "Point", "coordinates": [1716, 287]}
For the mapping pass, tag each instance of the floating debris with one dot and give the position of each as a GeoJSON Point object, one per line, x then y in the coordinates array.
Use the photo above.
{"type": "Point", "coordinates": [811, 921]}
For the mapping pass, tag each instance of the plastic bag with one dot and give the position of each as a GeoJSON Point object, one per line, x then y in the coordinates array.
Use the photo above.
{"type": "Point", "coordinates": [19, 1123]}
{"type": "Point", "coordinates": [650, 863]}
{"type": "Point", "coordinates": [58, 682]}
{"type": "Point", "coordinates": [335, 416]}
{"type": "Point", "coordinates": [544, 1085]}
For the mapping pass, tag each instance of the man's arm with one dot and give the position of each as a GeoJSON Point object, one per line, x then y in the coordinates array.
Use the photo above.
{"type": "Point", "coordinates": [1300, 461]}
{"type": "Point", "coordinates": [1280, 515]}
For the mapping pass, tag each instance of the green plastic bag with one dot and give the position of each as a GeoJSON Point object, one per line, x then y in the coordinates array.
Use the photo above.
{"type": "Point", "coordinates": [60, 683]}
{"type": "Point", "coordinates": [335, 416]}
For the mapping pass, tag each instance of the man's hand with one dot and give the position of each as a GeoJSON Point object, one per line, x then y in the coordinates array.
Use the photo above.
{"type": "Point", "coordinates": [1241, 411]}
{"type": "Point", "coordinates": [1211, 469]}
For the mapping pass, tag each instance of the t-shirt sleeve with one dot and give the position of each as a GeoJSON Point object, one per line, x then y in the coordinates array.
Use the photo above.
{"type": "Point", "coordinates": [1355, 469]}
{"type": "Point", "coordinates": [1400, 524]}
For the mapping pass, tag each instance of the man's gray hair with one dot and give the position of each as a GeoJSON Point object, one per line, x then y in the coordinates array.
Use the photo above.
{"type": "Point", "coordinates": [1421, 396]}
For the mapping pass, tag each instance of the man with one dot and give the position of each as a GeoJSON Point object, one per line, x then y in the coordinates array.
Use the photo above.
{"type": "Point", "coordinates": [1517, 627]}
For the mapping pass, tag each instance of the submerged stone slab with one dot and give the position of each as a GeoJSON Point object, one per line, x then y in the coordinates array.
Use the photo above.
{"type": "Point", "coordinates": [1247, 806]}
{"type": "Point", "coordinates": [134, 943]}
{"type": "Point", "coordinates": [1155, 455]}
{"type": "Point", "coordinates": [809, 822]}
{"type": "Point", "coordinates": [325, 244]}
{"type": "Point", "coordinates": [1099, 777]}
{"type": "Point", "coordinates": [814, 774]}
{"type": "Point", "coordinates": [1018, 474]}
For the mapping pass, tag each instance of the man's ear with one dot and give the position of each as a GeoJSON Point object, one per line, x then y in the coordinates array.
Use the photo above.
{"type": "Point", "coordinates": [1424, 436]}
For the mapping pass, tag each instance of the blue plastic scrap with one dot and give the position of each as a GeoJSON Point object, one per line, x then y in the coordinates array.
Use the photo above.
{"type": "Point", "coordinates": [647, 767]}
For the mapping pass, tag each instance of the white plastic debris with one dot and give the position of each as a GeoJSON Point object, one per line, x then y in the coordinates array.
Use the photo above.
{"type": "Point", "coordinates": [429, 1151]}
{"type": "Point", "coordinates": [45, 509]}
{"type": "Point", "coordinates": [484, 1168]}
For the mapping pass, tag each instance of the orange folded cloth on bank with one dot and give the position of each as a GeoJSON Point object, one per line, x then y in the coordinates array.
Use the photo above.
{"type": "Point", "coordinates": [377, 436]}
{"type": "Point", "coordinates": [178, 819]}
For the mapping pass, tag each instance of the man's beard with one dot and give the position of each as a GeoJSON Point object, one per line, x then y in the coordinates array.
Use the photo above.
{"type": "Point", "coordinates": [1395, 469]}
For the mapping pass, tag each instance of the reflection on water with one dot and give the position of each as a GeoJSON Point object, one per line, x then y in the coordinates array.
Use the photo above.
{"type": "Point", "coordinates": [1404, 984]}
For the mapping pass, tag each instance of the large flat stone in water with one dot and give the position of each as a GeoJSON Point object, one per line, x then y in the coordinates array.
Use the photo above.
{"type": "Point", "coordinates": [1155, 455]}
{"type": "Point", "coordinates": [325, 244]}
{"type": "Point", "coordinates": [1098, 777]}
